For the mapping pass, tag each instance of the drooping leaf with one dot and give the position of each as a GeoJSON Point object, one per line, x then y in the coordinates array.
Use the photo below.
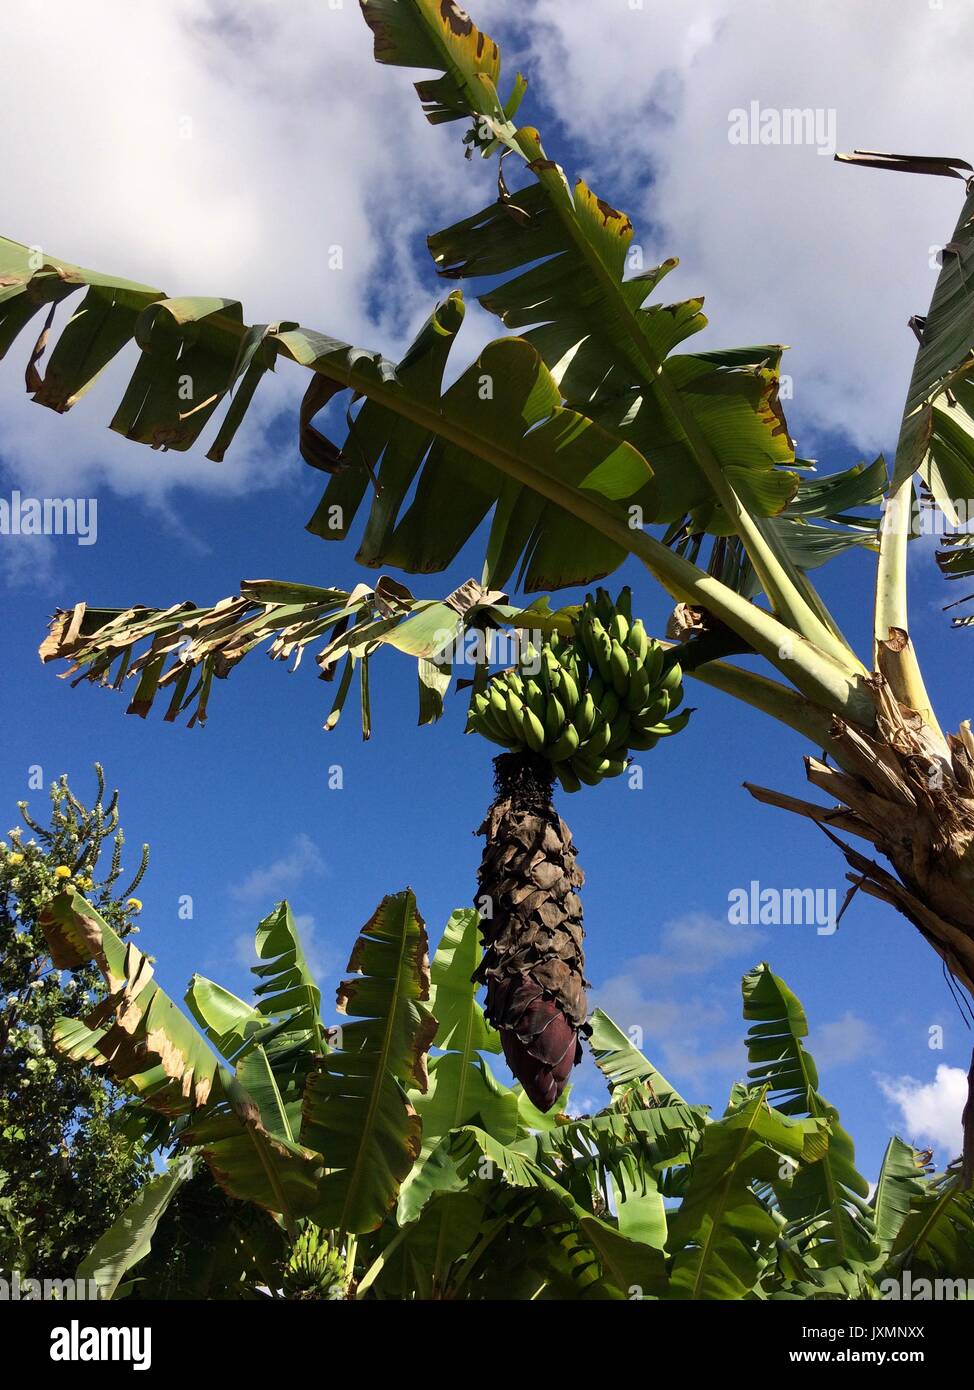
{"type": "Point", "coordinates": [129, 1239]}
{"type": "Point", "coordinates": [254, 1165]}
{"type": "Point", "coordinates": [181, 649]}
{"type": "Point", "coordinates": [136, 1031]}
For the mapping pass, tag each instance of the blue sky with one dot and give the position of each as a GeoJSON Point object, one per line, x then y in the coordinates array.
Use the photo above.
{"type": "Point", "coordinates": [240, 813]}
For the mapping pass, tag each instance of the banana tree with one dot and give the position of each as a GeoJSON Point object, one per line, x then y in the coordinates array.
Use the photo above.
{"type": "Point", "coordinates": [383, 1159]}
{"type": "Point", "coordinates": [578, 434]}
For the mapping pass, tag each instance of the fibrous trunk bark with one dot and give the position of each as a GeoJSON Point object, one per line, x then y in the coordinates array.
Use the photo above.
{"type": "Point", "coordinates": [531, 928]}
{"type": "Point", "coordinates": [913, 799]}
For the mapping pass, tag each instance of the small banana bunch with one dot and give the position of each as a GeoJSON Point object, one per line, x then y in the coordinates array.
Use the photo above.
{"type": "Point", "coordinates": [315, 1269]}
{"type": "Point", "coordinates": [582, 702]}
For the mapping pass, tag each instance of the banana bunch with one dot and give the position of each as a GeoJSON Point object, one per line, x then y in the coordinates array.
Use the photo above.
{"type": "Point", "coordinates": [315, 1269]}
{"type": "Point", "coordinates": [583, 701]}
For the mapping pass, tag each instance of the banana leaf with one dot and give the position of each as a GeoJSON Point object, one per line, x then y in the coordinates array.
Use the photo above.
{"type": "Point", "coordinates": [825, 1201]}
{"type": "Point", "coordinates": [137, 1032]}
{"type": "Point", "coordinates": [356, 1110]}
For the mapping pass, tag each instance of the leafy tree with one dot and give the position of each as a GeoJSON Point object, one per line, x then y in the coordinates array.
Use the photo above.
{"type": "Point", "coordinates": [66, 1165]}
{"type": "Point", "coordinates": [382, 1159]}
{"type": "Point", "coordinates": [586, 438]}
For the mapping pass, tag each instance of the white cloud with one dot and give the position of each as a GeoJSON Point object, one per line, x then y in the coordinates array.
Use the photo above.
{"type": "Point", "coordinates": [931, 1110]}
{"type": "Point", "coordinates": [681, 1034]}
{"type": "Point", "coordinates": [270, 882]}
{"type": "Point", "coordinates": [787, 246]}
{"type": "Point", "coordinates": [216, 149]}
{"type": "Point", "coordinates": [322, 958]}
{"type": "Point", "coordinates": [691, 945]}
{"type": "Point", "coordinates": [848, 1039]}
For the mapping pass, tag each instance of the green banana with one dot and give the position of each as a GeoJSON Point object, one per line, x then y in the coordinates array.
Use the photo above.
{"type": "Point", "coordinates": [653, 662]}
{"type": "Point", "coordinates": [620, 729]}
{"type": "Point", "coordinates": [638, 641]}
{"type": "Point", "coordinates": [585, 714]}
{"type": "Point", "coordinates": [567, 778]}
{"type": "Point", "coordinates": [566, 745]}
{"type": "Point", "coordinates": [641, 743]}
{"type": "Point", "coordinates": [497, 704]}
{"type": "Point", "coordinates": [591, 779]}
{"type": "Point", "coordinates": [533, 729]}
{"type": "Point", "coordinates": [554, 718]}
{"type": "Point", "coordinates": [609, 705]}
{"type": "Point", "coordinates": [639, 691]}
{"type": "Point", "coordinates": [619, 667]}
{"type": "Point", "coordinates": [568, 689]}
{"type": "Point", "coordinates": [599, 739]}
{"type": "Point", "coordinates": [677, 723]}
{"type": "Point", "coordinates": [612, 767]}
{"type": "Point", "coordinates": [602, 647]}
{"type": "Point", "coordinates": [534, 697]}
{"type": "Point", "coordinates": [673, 678]}
{"type": "Point", "coordinates": [585, 698]}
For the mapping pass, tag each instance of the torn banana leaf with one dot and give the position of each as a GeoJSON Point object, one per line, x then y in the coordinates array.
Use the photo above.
{"type": "Point", "coordinates": [175, 653]}
{"type": "Point", "coordinates": [136, 1032]}
{"type": "Point", "coordinates": [502, 419]}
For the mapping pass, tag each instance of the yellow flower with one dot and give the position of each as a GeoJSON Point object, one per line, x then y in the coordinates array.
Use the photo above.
{"type": "Point", "coordinates": [134, 904]}
{"type": "Point", "coordinates": [84, 883]}
{"type": "Point", "coordinates": [62, 871]}
{"type": "Point", "coordinates": [15, 858]}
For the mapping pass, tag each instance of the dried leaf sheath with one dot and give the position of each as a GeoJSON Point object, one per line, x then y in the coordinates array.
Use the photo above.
{"type": "Point", "coordinates": [531, 926]}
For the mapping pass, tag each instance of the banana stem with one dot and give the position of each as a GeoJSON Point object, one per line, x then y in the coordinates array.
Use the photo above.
{"type": "Point", "coordinates": [770, 697]}
{"type": "Point", "coordinates": [895, 653]}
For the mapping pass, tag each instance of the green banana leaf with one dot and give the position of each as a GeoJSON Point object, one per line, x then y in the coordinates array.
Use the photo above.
{"type": "Point", "coordinates": [937, 1237]}
{"type": "Point", "coordinates": [253, 1164]}
{"type": "Point", "coordinates": [442, 37]}
{"type": "Point", "coordinates": [502, 417]}
{"type": "Point", "coordinates": [566, 254]}
{"type": "Point", "coordinates": [825, 1202]}
{"type": "Point", "coordinates": [290, 1000]}
{"type": "Point", "coordinates": [589, 1249]}
{"type": "Point", "coordinates": [228, 1022]}
{"type": "Point", "coordinates": [902, 1178]}
{"type": "Point", "coordinates": [153, 1049]}
{"type": "Point", "coordinates": [936, 440]}
{"type": "Point", "coordinates": [626, 1069]}
{"type": "Point", "coordinates": [356, 1110]}
{"type": "Point", "coordinates": [722, 1232]}
{"type": "Point", "coordinates": [129, 1239]}
{"type": "Point", "coordinates": [462, 1090]}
